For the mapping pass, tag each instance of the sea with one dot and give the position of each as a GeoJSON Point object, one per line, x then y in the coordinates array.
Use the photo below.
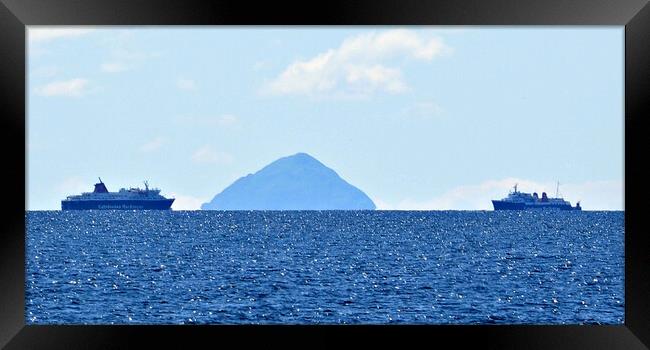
{"type": "Point", "coordinates": [324, 267]}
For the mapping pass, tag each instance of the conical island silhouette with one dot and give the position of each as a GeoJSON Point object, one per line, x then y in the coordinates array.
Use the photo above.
{"type": "Point", "coordinates": [297, 182]}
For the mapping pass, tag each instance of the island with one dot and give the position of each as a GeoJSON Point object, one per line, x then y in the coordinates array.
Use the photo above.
{"type": "Point", "coordinates": [297, 182]}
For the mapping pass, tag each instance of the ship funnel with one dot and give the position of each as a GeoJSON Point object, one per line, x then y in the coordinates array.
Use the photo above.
{"type": "Point", "coordinates": [100, 187]}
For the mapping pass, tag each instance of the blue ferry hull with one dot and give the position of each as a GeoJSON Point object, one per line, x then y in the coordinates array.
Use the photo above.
{"type": "Point", "coordinates": [163, 204]}
{"type": "Point", "coordinates": [505, 205]}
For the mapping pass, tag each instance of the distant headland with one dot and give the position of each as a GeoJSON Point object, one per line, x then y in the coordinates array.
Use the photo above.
{"type": "Point", "coordinates": [297, 182]}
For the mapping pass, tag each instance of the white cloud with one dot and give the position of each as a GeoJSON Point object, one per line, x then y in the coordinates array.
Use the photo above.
{"type": "Point", "coordinates": [593, 195]}
{"type": "Point", "coordinates": [355, 68]}
{"type": "Point", "coordinates": [208, 155]}
{"type": "Point", "coordinates": [125, 54]}
{"type": "Point", "coordinates": [44, 72]}
{"type": "Point", "coordinates": [376, 77]}
{"type": "Point", "coordinates": [152, 145]}
{"type": "Point", "coordinates": [68, 88]}
{"type": "Point", "coordinates": [186, 84]}
{"type": "Point", "coordinates": [114, 67]}
{"type": "Point", "coordinates": [182, 202]}
{"type": "Point", "coordinates": [42, 34]}
{"type": "Point", "coordinates": [382, 205]}
{"type": "Point", "coordinates": [73, 185]}
{"type": "Point", "coordinates": [391, 43]}
{"type": "Point", "coordinates": [597, 195]}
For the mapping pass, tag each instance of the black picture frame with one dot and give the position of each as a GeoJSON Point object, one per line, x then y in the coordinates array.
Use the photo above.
{"type": "Point", "coordinates": [15, 15]}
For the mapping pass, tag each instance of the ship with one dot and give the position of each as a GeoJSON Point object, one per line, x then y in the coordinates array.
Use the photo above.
{"type": "Point", "coordinates": [125, 199]}
{"type": "Point", "coordinates": [517, 200]}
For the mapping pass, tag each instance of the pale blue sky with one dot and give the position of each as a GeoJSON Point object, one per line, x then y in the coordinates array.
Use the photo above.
{"type": "Point", "coordinates": [416, 117]}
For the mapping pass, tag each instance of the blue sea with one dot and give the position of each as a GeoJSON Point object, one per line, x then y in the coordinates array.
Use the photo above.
{"type": "Point", "coordinates": [324, 267]}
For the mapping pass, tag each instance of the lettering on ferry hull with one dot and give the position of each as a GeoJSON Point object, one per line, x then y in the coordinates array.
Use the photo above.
{"type": "Point", "coordinates": [123, 206]}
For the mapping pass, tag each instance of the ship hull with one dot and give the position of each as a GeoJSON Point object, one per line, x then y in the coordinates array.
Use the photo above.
{"type": "Point", "coordinates": [503, 205]}
{"type": "Point", "coordinates": [161, 204]}
{"type": "Point", "coordinates": [506, 205]}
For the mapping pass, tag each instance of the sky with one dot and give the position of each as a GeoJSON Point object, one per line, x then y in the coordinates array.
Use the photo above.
{"type": "Point", "coordinates": [417, 117]}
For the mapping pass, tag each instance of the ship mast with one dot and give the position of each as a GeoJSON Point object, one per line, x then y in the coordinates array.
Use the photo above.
{"type": "Point", "coordinates": [557, 190]}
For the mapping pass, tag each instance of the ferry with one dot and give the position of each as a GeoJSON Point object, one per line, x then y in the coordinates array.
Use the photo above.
{"type": "Point", "coordinates": [517, 200]}
{"type": "Point", "coordinates": [125, 199]}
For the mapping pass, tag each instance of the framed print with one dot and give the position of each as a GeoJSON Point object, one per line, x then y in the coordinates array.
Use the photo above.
{"type": "Point", "coordinates": [468, 171]}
